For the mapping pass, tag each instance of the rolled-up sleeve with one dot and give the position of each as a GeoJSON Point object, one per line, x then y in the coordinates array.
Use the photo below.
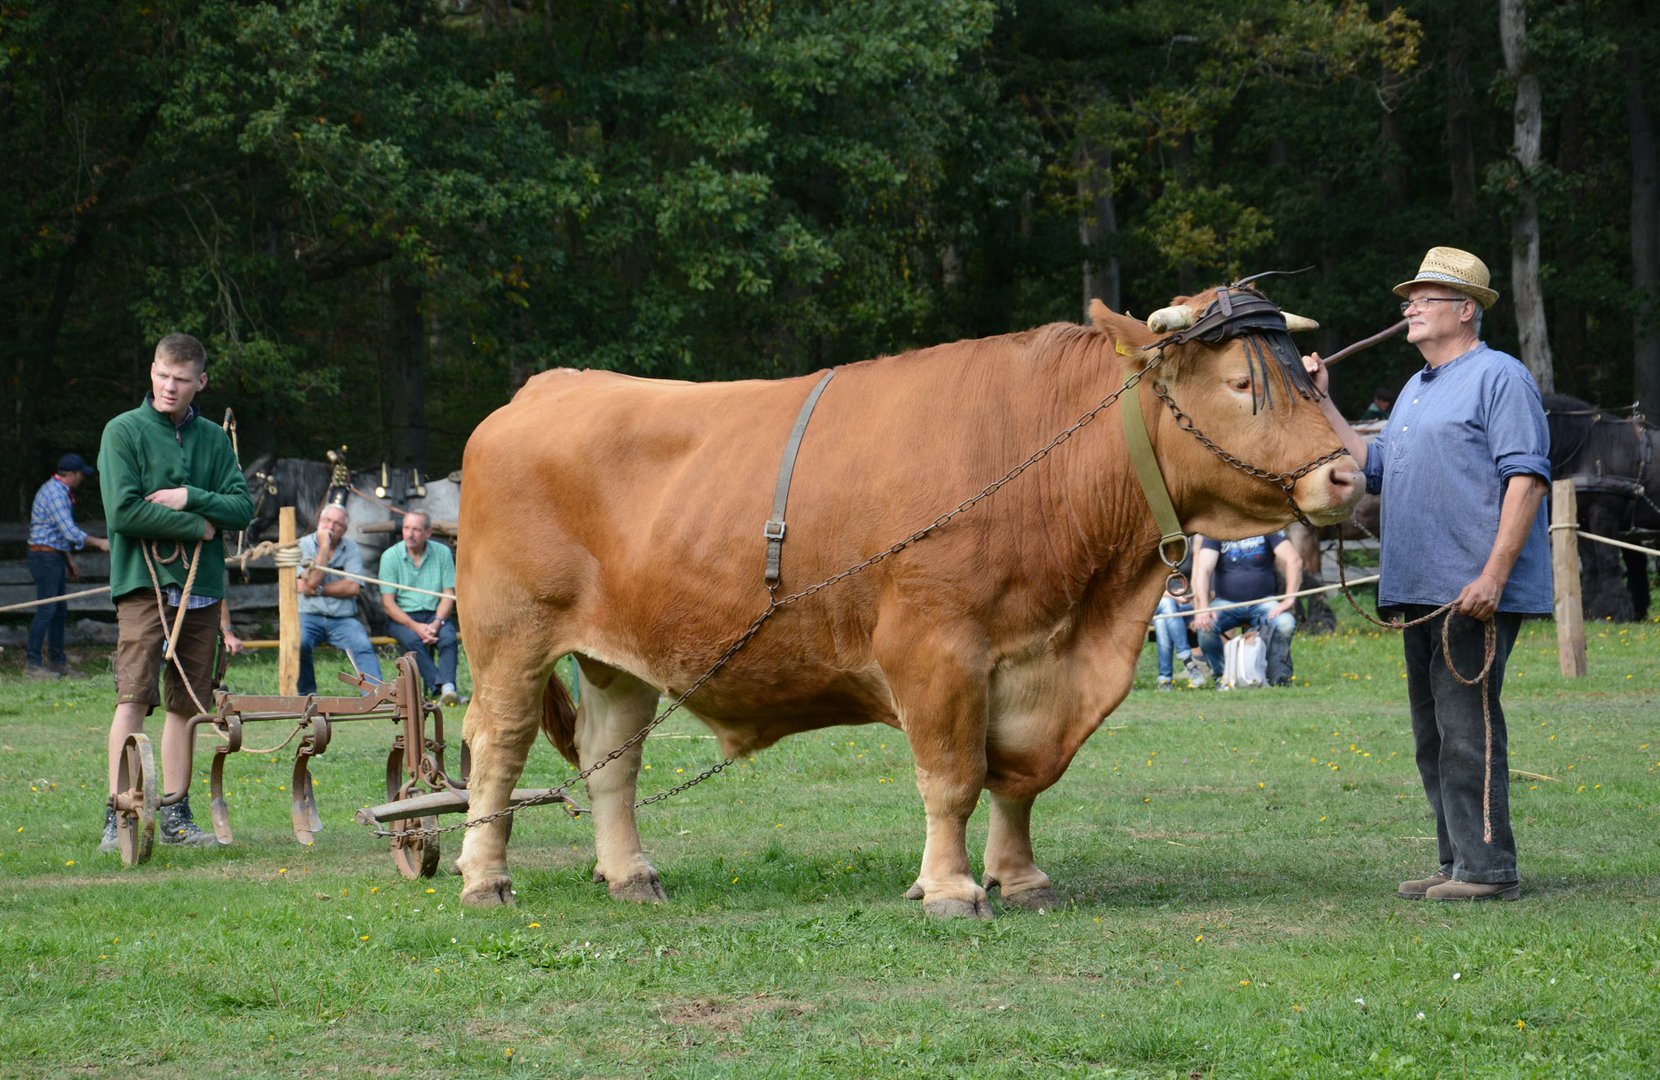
{"type": "Point", "coordinates": [1516, 426]}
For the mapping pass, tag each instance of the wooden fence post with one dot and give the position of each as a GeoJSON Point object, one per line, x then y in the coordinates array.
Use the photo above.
{"type": "Point", "coordinates": [288, 611]}
{"type": "Point", "coordinates": [1570, 610]}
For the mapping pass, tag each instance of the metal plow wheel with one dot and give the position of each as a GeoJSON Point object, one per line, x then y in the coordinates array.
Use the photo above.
{"type": "Point", "coordinates": [415, 854]}
{"type": "Point", "coordinates": [137, 800]}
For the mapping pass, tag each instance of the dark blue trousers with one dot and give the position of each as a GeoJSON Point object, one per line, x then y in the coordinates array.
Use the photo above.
{"type": "Point", "coordinates": [50, 570]}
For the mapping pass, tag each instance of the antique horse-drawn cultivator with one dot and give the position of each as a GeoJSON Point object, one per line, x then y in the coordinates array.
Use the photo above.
{"type": "Point", "coordinates": [417, 783]}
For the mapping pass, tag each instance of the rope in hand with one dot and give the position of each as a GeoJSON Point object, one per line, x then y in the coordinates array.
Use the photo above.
{"type": "Point", "coordinates": [1483, 678]}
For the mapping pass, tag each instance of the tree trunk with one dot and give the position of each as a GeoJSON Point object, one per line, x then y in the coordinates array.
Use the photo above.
{"type": "Point", "coordinates": [1645, 233]}
{"type": "Point", "coordinates": [1579, 366]}
{"type": "Point", "coordinates": [404, 384]}
{"type": "Point", "coordinates": [1528, 119]}
{"type": "Point", "coordinates": [1097, 225]}
{"type": "Point", "coordinates": [1461, 156]}
{"type": "Point", "coordinates": [1397, 184]}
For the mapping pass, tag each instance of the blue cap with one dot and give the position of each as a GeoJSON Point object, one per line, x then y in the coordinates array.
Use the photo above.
{"type": "Point", "coordinates": [75, 463]}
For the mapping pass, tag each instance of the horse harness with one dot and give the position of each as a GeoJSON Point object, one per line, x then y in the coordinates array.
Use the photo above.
{"type": "Point", "coordinates": [1630, 488]}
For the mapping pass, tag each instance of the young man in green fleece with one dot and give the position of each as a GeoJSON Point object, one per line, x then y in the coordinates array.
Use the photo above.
{"type": "Point", "coordinates": [171, 486]}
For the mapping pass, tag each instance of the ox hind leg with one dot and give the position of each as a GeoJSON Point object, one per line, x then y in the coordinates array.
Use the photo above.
{"type": "Point", "coordinates": [510, 676]}
{"type": "Point", "coordinates": [616, 706]}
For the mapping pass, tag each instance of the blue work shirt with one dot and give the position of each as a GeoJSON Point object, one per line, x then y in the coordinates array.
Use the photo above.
{"type": "Point", "coordinates": [1456, 435]}
{"type": "Point", "coordinates": [345, 557]}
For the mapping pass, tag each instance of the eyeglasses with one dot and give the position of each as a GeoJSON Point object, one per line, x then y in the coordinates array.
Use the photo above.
{"type": "Point", "coordinates": [1408, 305]}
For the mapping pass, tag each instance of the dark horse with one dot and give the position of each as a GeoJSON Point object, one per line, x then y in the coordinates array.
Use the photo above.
{"type": "Point", "coordinates": [1612, 461]}
{"type": "Point", "coordinates": [373, 503]}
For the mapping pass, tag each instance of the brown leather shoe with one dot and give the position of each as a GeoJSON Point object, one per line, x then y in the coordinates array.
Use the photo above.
{"type": "Point", "coordinates": [1475, 890]}
{"type": "Point", "coordinates": [1415, 890]}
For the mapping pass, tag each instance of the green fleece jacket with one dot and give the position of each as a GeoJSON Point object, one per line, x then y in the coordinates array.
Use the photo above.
{"type": "Point", "coordinates": [142, 451]}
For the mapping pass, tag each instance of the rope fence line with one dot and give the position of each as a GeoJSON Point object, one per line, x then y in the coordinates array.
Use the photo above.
{"type": "Point", "coordinates": [282, 555]}
{"type": "Point", "coordinates": [289, 556]}
{"type": "Point", "coordinates": [1276, 597]}
{"type": "Point", "coordinates": [1603, 539]}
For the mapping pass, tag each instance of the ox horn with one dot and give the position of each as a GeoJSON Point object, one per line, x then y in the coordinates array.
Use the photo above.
{"type": "Point", "coordinates": [1296, 323]}
{"type": "Point", "coordinates": [1165, 320]}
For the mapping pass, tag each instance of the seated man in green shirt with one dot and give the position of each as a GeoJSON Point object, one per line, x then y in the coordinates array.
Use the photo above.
{"type": "Point", "coordinates": [419, 610]}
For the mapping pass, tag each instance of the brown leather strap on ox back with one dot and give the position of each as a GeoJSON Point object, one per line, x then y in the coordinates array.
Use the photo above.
{"type": "Point", "coordinates": [774, 530]}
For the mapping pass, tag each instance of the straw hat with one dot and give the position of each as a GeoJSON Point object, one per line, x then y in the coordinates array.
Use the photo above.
{"type": "Point", "coordinates": [1455, 269]}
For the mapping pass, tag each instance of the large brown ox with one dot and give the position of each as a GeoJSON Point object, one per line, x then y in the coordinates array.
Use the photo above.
{"type": "Point", "coordinates": [620, 519]}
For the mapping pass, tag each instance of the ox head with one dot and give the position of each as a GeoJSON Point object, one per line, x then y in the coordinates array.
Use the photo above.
{"type": "Point", "coordinates": [1227, 370]}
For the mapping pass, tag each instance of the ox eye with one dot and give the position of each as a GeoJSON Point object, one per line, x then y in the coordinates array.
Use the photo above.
{"type": "Point", "coordinates": [1239, 384]}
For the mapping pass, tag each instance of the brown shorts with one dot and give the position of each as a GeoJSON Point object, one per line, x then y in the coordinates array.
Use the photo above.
{"type": "Point", "coordinates": [138, 653]}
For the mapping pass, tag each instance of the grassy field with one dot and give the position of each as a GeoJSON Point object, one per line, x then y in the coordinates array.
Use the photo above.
{"type": "Point", "coordinates": [1226, 865]}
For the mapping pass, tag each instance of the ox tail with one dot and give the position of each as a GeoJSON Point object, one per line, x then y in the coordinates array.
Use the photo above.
{"type": "Point", "coordinates": [559, 719]}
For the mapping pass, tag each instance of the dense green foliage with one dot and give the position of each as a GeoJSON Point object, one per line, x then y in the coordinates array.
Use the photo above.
{"type": "Point", "coordinates": [383, 216]}
{"type": "Point", "coordinates": [1226, 866]}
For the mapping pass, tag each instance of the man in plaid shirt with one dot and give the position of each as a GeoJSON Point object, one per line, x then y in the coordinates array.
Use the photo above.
{"type": "Point", "coordinates": [53, 534]}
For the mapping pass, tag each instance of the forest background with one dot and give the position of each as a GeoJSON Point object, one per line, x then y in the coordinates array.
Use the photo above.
{"type": "Point", "coordinates": [383, 216]}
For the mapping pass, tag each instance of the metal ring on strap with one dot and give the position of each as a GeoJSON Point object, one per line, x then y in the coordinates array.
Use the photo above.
{"type": "Point", "coordinates": [774, 530]}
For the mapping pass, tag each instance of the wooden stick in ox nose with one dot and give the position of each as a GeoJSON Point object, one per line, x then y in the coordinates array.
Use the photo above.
{"type": "Point", "coordinates": [1366, 343]}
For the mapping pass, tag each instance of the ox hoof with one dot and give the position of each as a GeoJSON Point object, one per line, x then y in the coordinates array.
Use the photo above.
{"type": "Point", "coordinates": [491, 892]}
{"type": "Point", "coordinates": [644, 890]}
{"type": "Point", "coordinates": [1041, 900]}
{"type": "Point", "coordinates": [957, 909]}
{"type": "Point", "coordinates": [915, 892]}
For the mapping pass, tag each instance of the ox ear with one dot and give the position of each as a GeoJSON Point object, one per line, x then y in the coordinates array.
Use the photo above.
{"type": "Point", "coordinates": [1120, 327]}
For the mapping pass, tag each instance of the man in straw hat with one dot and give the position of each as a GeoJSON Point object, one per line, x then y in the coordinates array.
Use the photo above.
{"type": "Point", "coordinates": [1462, 468]}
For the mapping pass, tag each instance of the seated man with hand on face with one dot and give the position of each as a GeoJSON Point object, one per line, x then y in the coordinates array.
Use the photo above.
{"type": "Point", "coordinates": [421, 621]}
{"type": "Point", "coordinates": [328, 602]}
{"type": "Point", "coordinates": [1242, 571]}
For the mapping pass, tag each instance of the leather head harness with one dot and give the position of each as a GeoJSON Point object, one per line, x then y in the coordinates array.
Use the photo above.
{"type": "Point", "coordinates": [1241, 312]}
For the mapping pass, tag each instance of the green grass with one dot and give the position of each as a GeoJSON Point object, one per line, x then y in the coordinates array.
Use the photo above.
{"type": "Point", "coordinates": [1226, 864]}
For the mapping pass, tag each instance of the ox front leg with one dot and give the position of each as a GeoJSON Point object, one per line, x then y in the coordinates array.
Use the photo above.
{"type": "Point", "coordinates": [946, 884]}
{"type": "Point", "coordinates": [1009, 862]}
{"type": "Point", "coordinates": [610, 716]}
{"type": "Point", "coordinates": [942, 703]}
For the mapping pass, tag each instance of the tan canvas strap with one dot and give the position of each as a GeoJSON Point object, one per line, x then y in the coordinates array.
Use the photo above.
{"type": "Point", "coordinates": [1152, 480]}
{"type": "Point", "coordinates": [774, 530]}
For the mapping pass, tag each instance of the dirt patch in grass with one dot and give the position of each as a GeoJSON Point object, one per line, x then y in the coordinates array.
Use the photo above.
{"type": "Point", "coordinates": [723, 1014]}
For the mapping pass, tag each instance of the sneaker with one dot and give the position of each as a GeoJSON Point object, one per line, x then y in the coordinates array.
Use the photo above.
{"type": "Point", "coordinates": [1475, 890]}
{"type": "Point", "coordinates": [40, 671]}
{"type": "Point", "coordinates": [64, 671]}
{"type": "Point", "coordinates": [448, 696]}
{"type": "Point", "coordinates": [178, 827]}
{"type": "Point", "coordinates": [1415, 889]}
{"type": "Point", "coordinates": [109, 842]}
{"type": "Point", "coordinates": [1197, 674]}
{"type": "Point", "coordinates": [1164, 683]}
